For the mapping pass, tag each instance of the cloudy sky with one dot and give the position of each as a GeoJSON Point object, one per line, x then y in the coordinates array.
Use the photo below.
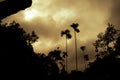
{"type": "Point", "coordinates": [49, 17]}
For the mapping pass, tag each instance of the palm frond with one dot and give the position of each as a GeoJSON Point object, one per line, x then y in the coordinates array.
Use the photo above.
{"type": "Point", "coordinates": [69, 36]}
{"type": "Point", "coordinates": [77, 30]}
{"type": "Point", "coordinates": [74, 25]}
{"type": "Point", "coordinates": [62, 33]}
{"type": "Point", "coordinates": [82, 48]}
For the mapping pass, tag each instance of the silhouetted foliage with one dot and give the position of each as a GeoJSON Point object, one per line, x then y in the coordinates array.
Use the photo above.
{"type": "Point", "coordinates": [67, 33]}
{"type": "Point", "coordinates": [82, 48]}
{"type": "Point", "coordinates": [86, 58]}
{"type": "Point", "coordinates": [68, 36]}
{"type": "Point", "coordinates": [75, 27]}
{"type": "Point", "coordinates": [17, 57]}
{"type": "Point", "coordinates": [76, 75]}
{"type": "Point", "coordinates": [107, 65]}
{"type": "Point", "coordinates": [107, 68]}
{"type": "Point", "coordinates": [117, 46]}
{"type": "Point", "coordinates": [13, 38]}
{"type": "Point", "coordinates": [105, 45]}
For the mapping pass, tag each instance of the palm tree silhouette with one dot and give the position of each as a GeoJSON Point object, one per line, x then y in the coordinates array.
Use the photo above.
{"type": "Point", "coordinates": [85, 55]}
{"type": "Point", "coordinates": [75, 27]}
{"type": "Point", "coordinates": [68, 36]}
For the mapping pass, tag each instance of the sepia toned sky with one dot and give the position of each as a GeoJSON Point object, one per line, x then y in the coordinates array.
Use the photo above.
{"type": "Point", "coordinates": [49, 17]}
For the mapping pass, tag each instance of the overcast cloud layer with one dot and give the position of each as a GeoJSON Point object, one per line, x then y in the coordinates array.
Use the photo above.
{"type": "Point", "coordinates": [49, 17]}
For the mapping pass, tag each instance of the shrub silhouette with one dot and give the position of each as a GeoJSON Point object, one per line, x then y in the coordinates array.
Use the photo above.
{"type": "Point", "coordinates": [15, 42]}
{"type": "Point", "coordinates": [17, 57]}
{"type": "Point", "coordinates": [107, 65]}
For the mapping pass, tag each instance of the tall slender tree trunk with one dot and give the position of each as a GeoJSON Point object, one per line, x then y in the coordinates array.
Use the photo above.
{"type": "Point", "coordinates": [76, 51]}
{"type": "Point", "coordinates": [67, 53]}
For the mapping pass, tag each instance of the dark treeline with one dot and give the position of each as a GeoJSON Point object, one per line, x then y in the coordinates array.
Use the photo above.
{"type": "Point", "coordinates": [18, 59]}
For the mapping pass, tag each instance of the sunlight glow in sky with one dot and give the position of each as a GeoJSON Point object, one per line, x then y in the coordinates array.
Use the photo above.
{"type": "Point", "coordinates": [30, 14]}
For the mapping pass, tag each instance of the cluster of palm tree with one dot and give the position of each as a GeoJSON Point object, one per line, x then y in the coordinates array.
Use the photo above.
{"type": "Point", "coordinates": [68, 36]}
